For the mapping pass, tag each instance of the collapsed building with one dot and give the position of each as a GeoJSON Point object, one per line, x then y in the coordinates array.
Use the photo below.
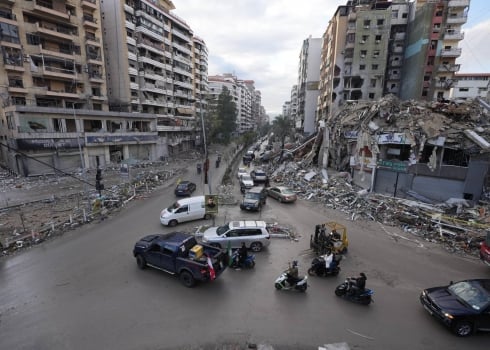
{"type": "Point", "coordinates": [429, 151]}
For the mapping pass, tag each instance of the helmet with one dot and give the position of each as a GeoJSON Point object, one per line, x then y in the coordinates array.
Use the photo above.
{"type": "Point", "coordinates": [295, 263]}
{"type": "Point", "coordinates": [363, 274]}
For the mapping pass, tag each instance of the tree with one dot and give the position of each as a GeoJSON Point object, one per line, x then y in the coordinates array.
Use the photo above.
{"type": "Point", "coordinates": [222, 119]}
{"type": "Point", "coordinates": [282, 127]}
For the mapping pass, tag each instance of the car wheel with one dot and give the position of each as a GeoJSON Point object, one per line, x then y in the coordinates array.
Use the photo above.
{"type": "Point", "coordinates": [311, 271]}
{"type": "Point", "coordinates": [187, 279]}
{"type": "Point", "coordinates": [256, 246]}
{"type": "Point", "coordinates": [207, 216]}
{"type": "Point", "coordinates": [279, 199]}
{"type": "Point", "coordinates": [463, 328]}
{"type": "Point", "coordinates": [141, 262]}
{"type": "Point", "coordinates": [172, 223]}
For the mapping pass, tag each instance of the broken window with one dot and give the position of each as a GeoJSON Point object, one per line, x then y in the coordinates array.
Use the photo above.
{"type": "Point", "coordinates": [455, 157]}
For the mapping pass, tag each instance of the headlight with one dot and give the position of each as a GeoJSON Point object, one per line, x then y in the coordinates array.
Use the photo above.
{"type": "Point", "coordinates": [446, 315]}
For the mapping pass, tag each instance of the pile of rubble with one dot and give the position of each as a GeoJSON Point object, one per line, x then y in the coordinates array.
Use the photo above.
{"type": "Point", "coordinates": [459, 227]}
{"type": "Point", "coordinates": [61, 203]}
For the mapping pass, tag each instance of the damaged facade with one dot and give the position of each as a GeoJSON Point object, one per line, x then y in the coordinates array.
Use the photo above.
{"type": "Point", "coordinates": [430, 151]}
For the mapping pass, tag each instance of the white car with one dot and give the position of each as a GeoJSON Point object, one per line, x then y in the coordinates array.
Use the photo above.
{"type": "Point", "coordinates": [241, 171]}
{"type": "Point", "coordinates": [253, 233]}
{"type": "Point", "coordinates": [246, 183]}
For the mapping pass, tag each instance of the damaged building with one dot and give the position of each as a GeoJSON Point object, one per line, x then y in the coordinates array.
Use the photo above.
{"type": "Point", "coordinates": [430, 151]}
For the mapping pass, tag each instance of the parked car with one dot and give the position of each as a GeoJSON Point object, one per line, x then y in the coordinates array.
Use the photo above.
{"type": "Point", "coordinates": [265, 156]}
{"type": "Point", "coordinates": [241, 171]}
{"type": "Point", "coordinates": [254, 199]}
{"type": "Point", "coordinates": [463, 306]}
{"type": "Point", "coordinates": [246, 183]}
{"type": "Point", "coordinates": [282, 193]}
{"type": "Point", "coordinates": [185, 189]}
{"type": "Point", "coordinates": [485, 250]}
{"type": "Point", "coordinates": [233, 233]}
{"type": "Point", "coordinates": [248, 157]}
{"type": "Point", "coordinates": [258, 176]}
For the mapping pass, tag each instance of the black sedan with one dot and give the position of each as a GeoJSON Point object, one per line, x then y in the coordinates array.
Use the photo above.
{"type": "Point", "coordinates": [184, 189]}
{"type": "Point", "coordinates": [463, 306]}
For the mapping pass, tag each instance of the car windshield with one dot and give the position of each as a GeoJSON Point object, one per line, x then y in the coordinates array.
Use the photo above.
{"type": "Point", "coordinates": [173, 207]}
{"type": "Point", "coordinates": [472, 293]}
{"type": "Point", "coordinates": [182, 186]}
{"type": "Point", "coordinates": [287, 191]}
{"type": "Point", "coordinates": [250, 195]}
{"type": "Point", "coordinates": [222, 229]}
{"type": "Point", "coordinates": [246, 177]}
{"type": "Point", "coordinates": [259, 173]}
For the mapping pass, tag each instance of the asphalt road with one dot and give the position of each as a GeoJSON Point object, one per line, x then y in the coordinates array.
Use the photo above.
{"type": "Point", "coordinates": [84, 290]}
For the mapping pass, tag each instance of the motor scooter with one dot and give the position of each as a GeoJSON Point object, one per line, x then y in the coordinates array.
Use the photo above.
{"type": "Point", "coordinates": [199, 168]}
{"type": "Point", "coordinates": [249, 262]}
{"type": "Point", "coordinates": [363, 296]}
{"type": "Point", "coordinates": [282, 283]}
{"type": "Point", "coordinates": [325, 265]}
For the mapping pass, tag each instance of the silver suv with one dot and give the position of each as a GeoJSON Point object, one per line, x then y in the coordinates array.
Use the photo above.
{"type": "Point", "coordinates": [232, 234]}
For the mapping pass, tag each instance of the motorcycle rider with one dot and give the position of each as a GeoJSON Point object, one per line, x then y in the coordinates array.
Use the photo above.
{"type": "Point", "coordinates": [356, 284]}
{"type": "Point", "coordinates": [242, 254]}
{"type": "Point", "coordinates": [293, 273]}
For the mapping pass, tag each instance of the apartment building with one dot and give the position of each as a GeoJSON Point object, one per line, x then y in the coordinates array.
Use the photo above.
{"type": "Point", "coordinates": [308, 83]}
{"type": "Point", "coordinates": [362, 53]}
{"type": "Point", "coordinates": [244, 96]}
{"type": "Point", "coordinates": [435, 31]}
{"type": "Point", "coordinates": [88, 83]}
{"type": "Point", "coordinates": [471, 85]}
{"type": "Point", "coordinates": [155, 66]}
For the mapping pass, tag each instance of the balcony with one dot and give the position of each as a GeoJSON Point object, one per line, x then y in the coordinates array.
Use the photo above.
{"type": "Point", "coordinates": [182, 48]}
{"type": "Point", "coordinates": [89, 4]}
{"type": "Point", "coordinates": [92, 40]}
{"type": "Point", "coordinates": [152, 62]}
{"type": "Point", "coordinates": [459, 19]}
{"type": "Point", "coordinates": [454, 52]}
{"type": "Point", "coordinates": [449, 68]}
{"type": "Point", "coordinates": [96, 78]}
{"type": "Point", "coordinates": [90, 22]}
{"type": "Point", "coordinates": [46, 8]}
{"type": "Point", "coordinates": [458, 3]}
{"type": "Point", "coordinates": [453, 35]}
{"type": "Point", "coordinates": [181, 35]}
{"type": "Point", "coordinates": [399, 36]}
{"type": "Point", "coordinates": [63, 93]}
{"type": "Point", "coordinates": [55, 31]}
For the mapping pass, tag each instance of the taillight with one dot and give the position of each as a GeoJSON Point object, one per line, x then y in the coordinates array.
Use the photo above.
{"type": "Point", "coordinates": [204, 271]}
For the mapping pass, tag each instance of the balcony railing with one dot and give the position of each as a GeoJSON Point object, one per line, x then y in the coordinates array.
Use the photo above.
{"type": "Point", "coordinates": [455, 52]}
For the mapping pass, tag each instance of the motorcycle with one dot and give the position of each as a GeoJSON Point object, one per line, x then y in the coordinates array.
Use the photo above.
{"type": "Point", "coordinates": [199, 168]}
{"type": "Point", "coordinates": [249, 262]}
{"type": "Point", "coordinates": [283, 284]}
{"type": "Point", "coordinates": [325, 265]}
{"type": "Point", "coordinates": [363, 297]}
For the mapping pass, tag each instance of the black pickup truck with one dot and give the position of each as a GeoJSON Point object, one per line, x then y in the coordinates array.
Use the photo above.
{"type": "Point", "coordinates": [178, 253]}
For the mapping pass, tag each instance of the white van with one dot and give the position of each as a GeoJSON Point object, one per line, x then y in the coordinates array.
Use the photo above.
{"type": "Point", "coordinates": [183, 210]}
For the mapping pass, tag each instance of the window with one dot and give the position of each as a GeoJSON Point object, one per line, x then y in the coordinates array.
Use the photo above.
{"type": "Point", "coordinates": [394, 14]}
{"type": "Point", "coordinates": [371, 95]}
{"type": "Point", "coordinates": [375, 53]}
{"type": "Point", "coordinates": [367, 23]}
{"type": "Point", "coordinates": [464, 89]}
{"type": "Point", "coordinates": [380, 22]}
{"type": "Point", "coordinates": [9, 33]}
{"type": "Point", "coordinates": [182, 209]}
{"type": "Point", "coordinates": [374, 67]}
{"type": "Point", "coordinates": [362, 67]}
{"type": "Point", "coordinates": [377, 38]}
{"type": "Point", "coordinates": [373, 82]}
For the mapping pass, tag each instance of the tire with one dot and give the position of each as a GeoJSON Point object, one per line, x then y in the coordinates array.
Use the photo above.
{"type": "Point", "coordinates": [278, 286]}
{"type": "Point", "coordinates": [141, 262]}
{"type": "Point", "coordinates": [207, 216]}
{"type": "Point", "coordinates": [463, 328]}
{"type": "Point", "coordinates": [256, 247]}
{"type": "Point", "coordinates": [311, 271]}
{"type": "Point", "coordinates": [187, 279]}
{"type": "Point", "coordinates": [172, 223]}
{"type": "Point", "coordinates": [339, 291]}
{"type": "Point", "coordinates": [302, 289]}
{"type": "Point", "coordinates": [365, 300]}
{"type": "Point", "coordinates": [252, 264]}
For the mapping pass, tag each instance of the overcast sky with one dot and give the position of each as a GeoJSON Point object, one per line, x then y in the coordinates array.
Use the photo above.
{"type": "Point", "coordinates": [261, 40]}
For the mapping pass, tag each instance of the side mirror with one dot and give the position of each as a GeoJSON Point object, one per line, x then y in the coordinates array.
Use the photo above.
{"type": "Point", "coordinates": [451, 282]}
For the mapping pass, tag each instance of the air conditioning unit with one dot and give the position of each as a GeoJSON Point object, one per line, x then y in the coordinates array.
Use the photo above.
{"type": "Point", "coordinates": [363, 56]}
{"type": "Point", "coordinates": [366, 27]}
{"type": "Point", "coordinates": [378, 41]}
{"type": "Point", "coordinates": [363, 41]}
